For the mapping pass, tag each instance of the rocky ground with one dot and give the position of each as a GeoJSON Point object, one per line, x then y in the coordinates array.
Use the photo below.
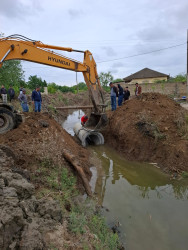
{"type": "Point", "coordinates": [25, 220]}
{"type": "Point", "coordinates": [151, 128]}
{"type": "Point", "coordinates": [43, 173]}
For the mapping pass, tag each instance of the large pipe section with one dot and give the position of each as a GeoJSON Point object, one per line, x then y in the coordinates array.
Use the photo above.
{"type": "Point", "coordinates": [88, 136]}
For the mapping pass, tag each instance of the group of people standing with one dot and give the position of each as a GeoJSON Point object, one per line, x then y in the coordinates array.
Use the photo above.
{"type": "Point", "coordinates": [122, 94]}
{"type": "Point", "coordinates": [3, 93]}
{"type": "Point", "coordinates": [36, 97]}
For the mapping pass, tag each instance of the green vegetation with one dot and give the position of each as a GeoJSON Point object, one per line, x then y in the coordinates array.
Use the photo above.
{"type": "Point", "coordinates": [11, 73]}
{"type": "Point", "coordinates": [181, 120]}
{"type": "Point", "coordinates": [184, 174]}
{"type": "Point", "coordinates": [182, 77]}
{"type": "Point", "coordinates": [149, 127]}
{"type": "Point", "coordinates": [105, 79]}
{"type": "Point", "coordinates": [36, 81]}
{"type": "Point", "coordinates": [82, 217]}
{"type": "Point", "coordinates": [118, 80]}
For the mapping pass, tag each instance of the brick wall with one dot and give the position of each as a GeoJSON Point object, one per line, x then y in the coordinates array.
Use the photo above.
{"type": "Point", "coordinates": [177, 89]}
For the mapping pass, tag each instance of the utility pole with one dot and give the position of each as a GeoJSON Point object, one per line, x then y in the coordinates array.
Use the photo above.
{"type": "Point", "coordinates": [77, 82]}
{"type": "Point", "coordinates": [187, 64]}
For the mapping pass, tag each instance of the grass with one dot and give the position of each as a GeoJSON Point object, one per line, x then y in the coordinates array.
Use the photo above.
{"type": "Point", "coordinates": [59, 183]}
{"type": "Point", "coordinates": [82, 220]}
{"type": "Point", "coordinates": [184, 174]}
{"type": "Point", "coordinates": [181, 120]}
{"type": "Point", "coordinates": [149, 127]}
{"type": "Point", "coordinates": [51, 108]}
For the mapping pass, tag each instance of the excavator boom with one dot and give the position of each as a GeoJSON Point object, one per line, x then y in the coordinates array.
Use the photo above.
{"type": "Point", "coordinates": [18, 47]}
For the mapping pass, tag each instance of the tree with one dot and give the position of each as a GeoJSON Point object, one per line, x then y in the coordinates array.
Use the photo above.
{"type": "Point", "coordinates": [52, 88]}
{"type": "Point", "coordinates": [180, 78]}
{"type": "Point", "coordinates": [11, 73]}
{"type": "Point", "coordinates": [118, 80]}
{"type": "Point", "coordinates": [35, 81]}
{"type": "Point", "coordinates": [105, 78]}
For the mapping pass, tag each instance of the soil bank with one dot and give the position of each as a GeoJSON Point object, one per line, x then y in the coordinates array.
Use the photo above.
{"type": "Point", "coordinates": [151, 128]}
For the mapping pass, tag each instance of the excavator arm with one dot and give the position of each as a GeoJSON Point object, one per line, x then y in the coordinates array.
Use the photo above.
{"type": "Point", "coordinates": [17, 47]}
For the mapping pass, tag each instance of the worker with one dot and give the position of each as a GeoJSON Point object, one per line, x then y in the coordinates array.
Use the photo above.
{"type": "Point", "coordinates": [113, 95]}
{"type": "Point", "coordinates": [23, 101]}
{"type": "Point", "coordinates": [138, 90]}
{"type": "Point", "coordinates": [11, 93]}
{"type": "Point", "coordinates": [3, 93]}
{"type": "Point", "coordinates": [126, 94]}
{"type": "Point", "coordinates": [37, 99]}
{"type": "Point", "coordinates": [120, 95]}
{"type": "Point", "coordinates": [84, 119]}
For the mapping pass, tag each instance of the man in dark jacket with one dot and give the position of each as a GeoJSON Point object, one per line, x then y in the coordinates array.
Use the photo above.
{"type": "Point", "coordinates": [11, 93]}
{"type": "Point", "coordinates": [3, 93]}
{"type": "Point", "coordinates": [37, 99]}
{"type": "Point", "coordinates": [113, 94]}
{"type": "Point", "coordinates": [126, 94]}
{"type": "Point", "coordinates": [120, 95]}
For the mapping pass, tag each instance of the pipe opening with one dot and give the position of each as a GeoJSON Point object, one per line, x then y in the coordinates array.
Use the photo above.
{"type": "Point", "coordinates": [92, 139]}
{"type": "Point", "coordinates": [87, 136]}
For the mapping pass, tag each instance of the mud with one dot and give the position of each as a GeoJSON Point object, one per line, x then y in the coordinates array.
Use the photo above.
{"type": "Point", "coordinates": [41, 138]}
{"type": "Point", "coordinates": [24, 220]}
{"type": "Point", "coordinates": [151, 128]}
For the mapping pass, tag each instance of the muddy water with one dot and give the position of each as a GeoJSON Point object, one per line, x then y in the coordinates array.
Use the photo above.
{"type": "Point", "coordinates": [152, 210]}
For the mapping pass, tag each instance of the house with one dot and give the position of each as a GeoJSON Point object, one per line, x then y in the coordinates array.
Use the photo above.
{"type": "Point", "coordinates": [145, 76]}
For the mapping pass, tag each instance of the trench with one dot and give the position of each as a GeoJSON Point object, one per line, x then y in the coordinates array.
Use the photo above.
{"type": "Point", "coordinates": [149, 208]}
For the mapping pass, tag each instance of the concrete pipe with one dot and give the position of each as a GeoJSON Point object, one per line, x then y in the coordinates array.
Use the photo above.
{"type": "Point", "coordinates": [88, 136]}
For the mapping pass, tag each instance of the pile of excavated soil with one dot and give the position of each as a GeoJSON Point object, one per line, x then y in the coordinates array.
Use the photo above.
{"type": "Point", "coordinates": [151, 128]}
{"type": "Point", "coordinates": [40, 138]}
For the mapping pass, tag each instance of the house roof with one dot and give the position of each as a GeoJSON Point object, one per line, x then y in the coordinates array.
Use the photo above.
{"type": "Point", "coordinates": [144, 73]}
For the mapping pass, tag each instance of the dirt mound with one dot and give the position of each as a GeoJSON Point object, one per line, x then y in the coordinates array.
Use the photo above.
{"type": "Point", "coordinates": [151, 128]}
{"type": "Point", "coordinates": [40, 138]}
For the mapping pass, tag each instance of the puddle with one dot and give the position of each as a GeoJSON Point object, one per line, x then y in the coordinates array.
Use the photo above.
{"type": "Point", "coordinates": [151, 208]}
{"type": "Point", "coordinates": [71, 120]}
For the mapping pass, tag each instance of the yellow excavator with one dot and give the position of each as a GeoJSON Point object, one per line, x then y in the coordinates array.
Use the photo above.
{"type": "Point", "coordinates": [17, 47]}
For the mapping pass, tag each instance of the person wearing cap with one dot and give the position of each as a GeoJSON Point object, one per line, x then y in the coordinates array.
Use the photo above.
{"type": "Point", "coordinates": [126, 94]}
{"type": "Point", "coordinates": [23, 101]}
{"type": "Point", "coordinates": [113, 95]}
{"type": "Point", "coordinates": [120, 95]}
{"type": "Point", "coordinates": [84, 119]}
{"type": "Point", "coordinates": [138, 90]}
{"type": "Point", "coordinates": [36, 99]}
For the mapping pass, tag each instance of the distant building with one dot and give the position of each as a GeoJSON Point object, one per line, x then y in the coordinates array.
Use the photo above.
{"type": "Point", "coordinates": [145, 76]}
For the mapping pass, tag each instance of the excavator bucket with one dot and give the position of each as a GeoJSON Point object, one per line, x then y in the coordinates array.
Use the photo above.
{"type": "Point", "coordinates": [96, 121]}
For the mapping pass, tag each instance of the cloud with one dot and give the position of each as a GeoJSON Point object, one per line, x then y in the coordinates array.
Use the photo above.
{"type": "Point", "coordinates": [75, 13]}
{"type": "Point", "coordinates": [118, 65]}
{"type": "Point", "coordinates": [109, 51]}
{"type": "Point", "coordinates": [19, 8]}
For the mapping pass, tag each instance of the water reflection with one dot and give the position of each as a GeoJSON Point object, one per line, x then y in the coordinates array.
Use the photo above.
{"type": "Point", "coordinates": [151, 207]}
{"type": "Point", "coordinates": [144, 176]}
{"type": "Point", "coordinates": [72, 118]}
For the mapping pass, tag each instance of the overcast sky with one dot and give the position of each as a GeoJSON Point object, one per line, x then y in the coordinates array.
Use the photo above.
{"type": "Point", "coordinates": [110, 29]}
